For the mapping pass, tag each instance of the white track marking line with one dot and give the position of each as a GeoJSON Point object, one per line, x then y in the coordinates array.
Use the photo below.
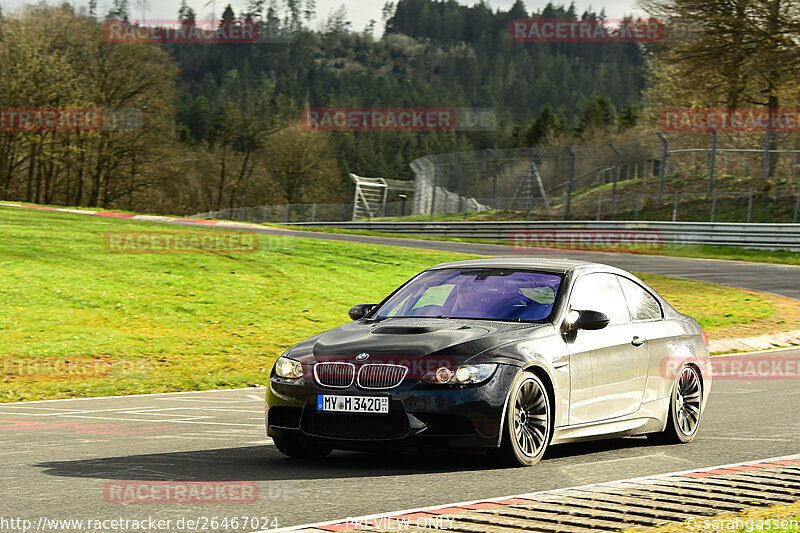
{"type": "Point", "coordinates": [155, 409]}
{"type": "Point", "coordinates": [68, 412]}
{"type": "Point", "coordinates": [528, 495]}
{"type": "Point", "coordinates": [168, 421]}
{"type": "Point", "coordinates": [143, 411]}
{"type": "Point", "coordinates": [215, 400]}
{"type": "Point", "coordinates": [770, 439]}
{"type": "Point", "coordinates": [606, 461]}
{"type": "Point", "coordinates": [135, 395]}
{"type": "Point", "coordinates": [776, 351]}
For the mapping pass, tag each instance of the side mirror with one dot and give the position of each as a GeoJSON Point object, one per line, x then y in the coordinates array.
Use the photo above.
{"type": "Point", "coordinates": [588, 320]}
{"type": "Point", "coordinates": [359, 311]}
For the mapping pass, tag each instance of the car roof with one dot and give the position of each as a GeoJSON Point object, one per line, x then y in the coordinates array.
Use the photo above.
{"type": "Point", "coordinates": [553, 265]}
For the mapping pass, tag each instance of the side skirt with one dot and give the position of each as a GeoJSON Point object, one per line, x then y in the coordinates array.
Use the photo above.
{"type": "Point", "coordinates": [650, 418]}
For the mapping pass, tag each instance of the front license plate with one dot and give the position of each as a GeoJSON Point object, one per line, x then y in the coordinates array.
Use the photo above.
{"type": "Point", "coordinates": [376, 405]}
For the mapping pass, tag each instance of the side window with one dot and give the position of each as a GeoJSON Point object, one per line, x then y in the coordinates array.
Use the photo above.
{"type": "Point", "coordinates": [601, 292]}
{"type": "Point", "coordinates": [642, 304]}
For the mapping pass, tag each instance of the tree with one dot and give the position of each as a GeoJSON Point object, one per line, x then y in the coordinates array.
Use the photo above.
{"type": "Point", "coordinates": [748, 52]}
{"type": "Point", "coordinates": [119, 10]}
{"type": "Point", "coordinates": [598, 117]}
{"type": "Point", "coordinates": [546, 126]}
{"type": "Point", "coordinates": [302, 165]}
{"type": "Point", "coordinates": [310, 11]}
{"type": "Point", "coordinates": [255, 10]}
{"type": "Point", "coordinates": [132, 86]}
{"type": "Point", "coordinates": [186, 14]}
{"type": "Point", "coordinates": [143, 6]}
{"type": "Point", "coordinates": [337, 22]}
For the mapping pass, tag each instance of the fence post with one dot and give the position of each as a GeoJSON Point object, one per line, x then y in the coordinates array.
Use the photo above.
{"type": "Point", "coordinates": [749, 205]}
{"type": "Point", "coordinates": [636, 208]}
{"type": "Point", "coordinates": [663, 168]}
{"type": "Point", "coordinates": [713, 160]}
{"type": "Point", "coordinates": [796, 206]}
{"type": "Point", "coordinates": [529, 195]}
{"type": "Point", "coordinates": [435, 185]}
{"type": "Point", "coordinates": [264, 214]}
{"type": "Point", "coordinates": [616, 178]}
{"type": "Point", "coordinates": [794, 166]}
{"type": "Point", "coordinates": [571, 179]}
{"type": "Point", "coordinates": [494, 181]}
{"type": "Point", "coordinates": [675, 206]}
{"type": "Point", "coordinates": [461, 187]}
{"type": "Point", "coordinates": [725, 163]}
{"type": "Point", "coordinates": [765, 166]}
{"type": "Point", "coordinates": [402, 206]}
{"type": "Point", "coordinates": [599, 206]}
{"type": "Point", "coordinates": [287, 213]}
{"type": "Point", "coordinates": [314, 212]}
{"type": "Point", "coordinates": [713, 203]}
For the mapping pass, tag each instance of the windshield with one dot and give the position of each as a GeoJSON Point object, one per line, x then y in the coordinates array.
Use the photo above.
{"type": "Point", "coordinates": [478, 294]}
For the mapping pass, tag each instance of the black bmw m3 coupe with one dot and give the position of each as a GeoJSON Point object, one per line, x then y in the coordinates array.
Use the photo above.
{"type": "Point", "coordinates": [508, 355]}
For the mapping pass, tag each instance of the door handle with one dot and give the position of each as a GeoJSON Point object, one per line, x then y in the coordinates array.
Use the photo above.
{"type": "Point", "coordinates": [638, 341]}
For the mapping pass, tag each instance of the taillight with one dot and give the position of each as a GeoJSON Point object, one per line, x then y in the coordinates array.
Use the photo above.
{"type": "Point", "coordinates": [705, 338]}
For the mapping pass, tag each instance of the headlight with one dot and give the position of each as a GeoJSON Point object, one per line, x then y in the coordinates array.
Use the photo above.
{"type": "Point", "coordinates": [463, 375]}
{"type": "Point", "coordinates": [288, 368]}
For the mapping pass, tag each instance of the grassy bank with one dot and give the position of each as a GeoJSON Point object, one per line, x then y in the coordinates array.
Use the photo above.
{"type": "Point", "coordinates": [774, 201]}
{"type": "Point", "coordinates": [724, 253]}
{"type": "Point", "coordinates": [172, 322]}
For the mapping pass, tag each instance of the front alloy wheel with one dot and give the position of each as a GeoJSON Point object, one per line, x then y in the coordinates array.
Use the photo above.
{"type": "Point", "coordinates": [528, 421]}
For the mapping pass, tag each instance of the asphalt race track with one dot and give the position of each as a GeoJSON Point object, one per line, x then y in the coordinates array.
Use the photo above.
{"type": "Point", "coordinates": [62, 458]}
{"type": "Point", "coordinates": [58, 457]}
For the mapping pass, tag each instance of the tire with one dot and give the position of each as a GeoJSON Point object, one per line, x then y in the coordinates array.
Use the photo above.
{"type": "Point", "coordinates": [298, 447]}
{"type": "Point", "coordinates": [528, 422]}
{"type": "Point", "coordinates": [685, 409]}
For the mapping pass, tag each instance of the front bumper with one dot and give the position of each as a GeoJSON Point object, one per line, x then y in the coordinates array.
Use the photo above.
{"type": "Point", "coordinates": [420, 414]}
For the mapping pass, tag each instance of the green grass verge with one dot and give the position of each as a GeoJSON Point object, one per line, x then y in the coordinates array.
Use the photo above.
{"type": "Point", "coordinates": [209, 320]}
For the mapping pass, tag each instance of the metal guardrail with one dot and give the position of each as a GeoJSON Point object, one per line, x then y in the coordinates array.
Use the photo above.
{"type": "Point", "coordinates": [756, 236]}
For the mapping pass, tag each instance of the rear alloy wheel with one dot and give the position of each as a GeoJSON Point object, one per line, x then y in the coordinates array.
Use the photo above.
{"type": "Point", "coordinates": [299, 447]}
{"type": "Point", "coordinates": [526, 432]}
{"type": "Point", "coordinates": [685, 409]}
